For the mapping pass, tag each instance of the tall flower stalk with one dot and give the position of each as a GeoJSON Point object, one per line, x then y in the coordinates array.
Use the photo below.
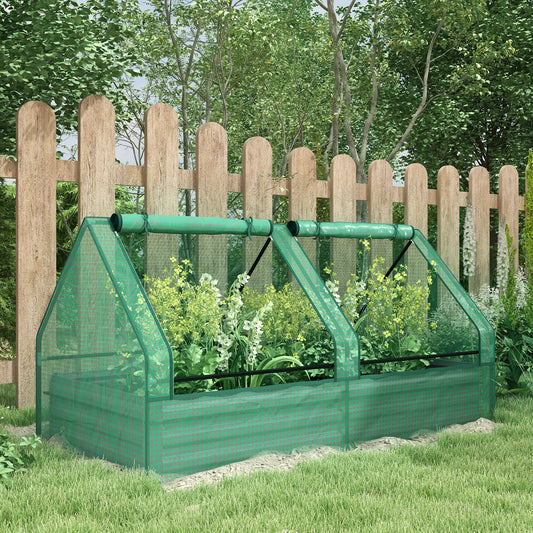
{"type": "Point", "coordinates": [469, 242]}
{"type": "Point", "coordinates": [528, 238]}
{"type": "Point", "coordinates": [502, 260]}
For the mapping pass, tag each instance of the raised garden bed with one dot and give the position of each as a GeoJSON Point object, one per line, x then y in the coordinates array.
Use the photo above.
{"type": "Point", "coordinates": [101, 317]}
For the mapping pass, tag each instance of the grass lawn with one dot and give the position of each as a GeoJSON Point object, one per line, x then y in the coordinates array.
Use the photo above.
{"type": "Point", "coordinates": [463, 482]}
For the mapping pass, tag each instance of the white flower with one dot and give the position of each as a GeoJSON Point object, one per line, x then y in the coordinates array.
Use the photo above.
{"type": "Point", "coordinates": [488, 301]}
{"type": "Point", "coordinates": [521, 288]}
{"type": "Point", "coordinates": [502, 259]}
{"type": "Point", "coordinates": [334, 290]}
{"type": "Point", "coordinates": [242, 279]}
{"type": "Point", "coordinates": [206, 278]}
{"type": "Point", "coordinates": [469, 241]}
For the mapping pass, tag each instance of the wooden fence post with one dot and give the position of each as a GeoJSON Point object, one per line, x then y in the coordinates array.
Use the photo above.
{"type": "Point", "coordinates": [448, 217]}
{"type": "Point", "coordinates": [416, 214]}
{"type": "Point", "coordinates": [96, 157]}
{"type": "Point", "coordinates": [36, 235]}
{"type": "Point", "coordinates": [479, 190]}
{"type": "Point", "coordinates": [161, 181]}
{"type": "Point", "coordinates": [302, 193]}
{"type": "Point", "coordinates": [416, 197]}
{"type": "Point", "coordinates": [257, 186]}
{"type": "Point", "coordinates": [380, 204]}
{"type": "Point", "coordinates": [211, 184]}
{"type": "Point", "coordinates": [508, 203]}
{"type": "Point", "coordinates": [343, 208]}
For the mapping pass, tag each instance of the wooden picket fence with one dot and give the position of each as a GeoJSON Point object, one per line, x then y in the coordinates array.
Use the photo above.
{"type": "Point", "coordinates": [37, 172]}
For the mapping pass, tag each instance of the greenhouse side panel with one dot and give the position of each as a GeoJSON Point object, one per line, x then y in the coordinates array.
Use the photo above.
{"type": "Point", "coordinates": [97, 419]}
{"type": "Point", "coordinates": [400, 404]}
{"type": "Point", "coordinates": [201, 431]}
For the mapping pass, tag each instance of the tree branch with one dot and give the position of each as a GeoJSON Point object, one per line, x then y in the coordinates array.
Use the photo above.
{"type": "Point", "coordinates": [346, 16]}
{"type": "Point", "coordinates": [423, 102]}
{"type": "Point", "coordinates": [375, 89]}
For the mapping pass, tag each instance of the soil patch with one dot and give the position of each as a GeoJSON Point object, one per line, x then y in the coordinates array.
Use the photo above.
{"type": "Point", "coordinates": [279, 461]}
{"type": "Point", "coordinates": [284, 461]}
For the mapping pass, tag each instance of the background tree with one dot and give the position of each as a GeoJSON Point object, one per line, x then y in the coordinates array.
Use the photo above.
{"type": "Point", "coordinates": [7, 268]}
{"type": "Point", "coordinates": [488, 123]}
{"type": "Point", "coordinates": [250, 65]}
{"type": "Point", "coordinates": [58, 52]}
{"type": "Point", "coordinates": [388, 66]}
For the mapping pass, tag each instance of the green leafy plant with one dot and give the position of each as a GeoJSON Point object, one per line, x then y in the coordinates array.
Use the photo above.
{"type": "Point", "coordinates": [15, 456]}
{"type": "Point", "coordinates": [389, 314]}
{"type": "Point", "coordinates": [209, 334]}
{"type": "Point", "coordinates": [506, 307]}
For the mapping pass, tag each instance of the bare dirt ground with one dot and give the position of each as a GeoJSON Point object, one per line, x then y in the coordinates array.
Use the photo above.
{"type": "Point", "coordinates": [280, 461]}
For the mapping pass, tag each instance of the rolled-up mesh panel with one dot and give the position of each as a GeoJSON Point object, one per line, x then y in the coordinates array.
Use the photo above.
{"type": "Point", "coordinates": [187, 343]}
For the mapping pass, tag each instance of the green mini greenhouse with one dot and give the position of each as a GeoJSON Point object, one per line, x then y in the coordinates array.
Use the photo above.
{"type": "Point", "coordinates": [179, 344]}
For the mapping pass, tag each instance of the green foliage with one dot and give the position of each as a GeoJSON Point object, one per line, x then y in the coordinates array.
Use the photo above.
{"type": "Point", "coordinates": [506, 309]}
{"type": "Point", "coordinates": [248, 330]}
{"type": "Point", "coordinates": [390, 316]}
{"type": "Point", "coordinates": [248, 65]}
{"type": "Point", "coordinates": [513, 316]}
{"type": "Point", "coordinates": [15, 457]}
{"type": "Point", "coordinates": [8, 412]}
{"type": "Point", "coordinates": [528, 237]}
{"type": "Point", "coordinates": [209, 333]}
{"type": "Point", "coordinates": [7, 270]}
{"type": "Point", "coordinates": [485, 119]}
{"type": "Point", "coordinates": [59, 52]}
{"type": "Point", "coordinates": [510, 296]}
{"type": "Point", "coordinates": [291, 317]}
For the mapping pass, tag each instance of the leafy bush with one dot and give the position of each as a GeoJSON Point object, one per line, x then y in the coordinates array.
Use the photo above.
{"type": "Point", "coordinates": [208, 333]}
{"type": "Point", "coordinates": [247, 330]}
{"type": "Point", "coordinates": [506, 308]}
{"type": "Point", "coordinates": [390, 316]}
{"type": "Point", "coordinates": [15, 457]}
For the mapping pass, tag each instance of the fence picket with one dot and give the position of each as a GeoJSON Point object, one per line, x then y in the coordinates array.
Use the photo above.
{"type": "Point", "coordinates": [161, 179]}
{"type": "Point", "coordinates": [508, 203]}
{"type": "Point", "coordinates": [211, 184]}
{"type": "Point", "coordinates": [257, 185]}
{"type": "Point", "coordinates": [343, 208]}
{"type": "Point", "coordinates": [96, 156]}
{"type": "Point", "coordinates": [479, 190]}
{"type": "Point", "coordinates": [302, 196]}
{"type": "Point", "coordinates": [380, 203]}
{"type": "Point", "coordinates": [448, 217]}
{"type": "Point", "coordinates": [36, 235]}
{"type": "Point", "coordinates": [416, 213]}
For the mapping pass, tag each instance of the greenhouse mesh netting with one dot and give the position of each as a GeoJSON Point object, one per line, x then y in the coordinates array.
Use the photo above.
{"type": "Point", "coordinates": [179, 344]}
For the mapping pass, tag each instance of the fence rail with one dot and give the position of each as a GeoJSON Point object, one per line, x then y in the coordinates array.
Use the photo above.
{"type": "Point", "coordinates": [37, 172]}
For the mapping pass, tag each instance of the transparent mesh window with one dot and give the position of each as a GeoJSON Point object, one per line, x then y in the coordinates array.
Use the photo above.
{"type": "Point", "coordinates": [406, 319]}
{"type": "Point", "coordinates": [219, 320]}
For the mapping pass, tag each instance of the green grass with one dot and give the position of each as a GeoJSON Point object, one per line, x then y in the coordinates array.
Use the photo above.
{"type": "Point", "coordinates": [8, 413]}
{"type": "Point", "coordinates": [464, 482]}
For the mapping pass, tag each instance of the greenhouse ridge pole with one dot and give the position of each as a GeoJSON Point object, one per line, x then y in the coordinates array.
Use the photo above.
{"type": "Point", "coordinates": [350, 230]}
{"type": "Point", "coordinates": [186, 225]}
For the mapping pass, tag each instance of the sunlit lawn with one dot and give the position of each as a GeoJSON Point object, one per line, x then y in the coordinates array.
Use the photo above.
{"type": "Point", "coordinates": [463, 482]}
